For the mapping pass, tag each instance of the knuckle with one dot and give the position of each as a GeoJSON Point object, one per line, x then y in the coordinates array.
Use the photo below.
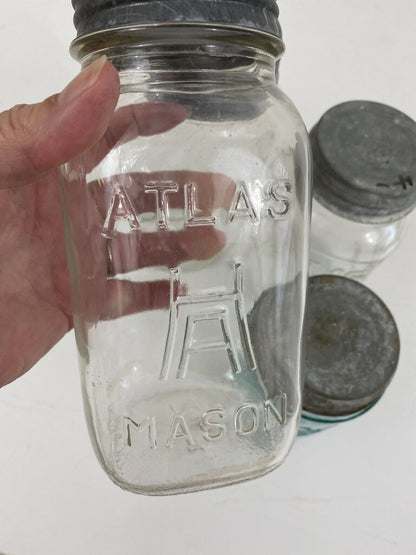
{"type": "Point", "coordinates": [14, 123]}
{"type": "Point", "coordinates": [20, 132]}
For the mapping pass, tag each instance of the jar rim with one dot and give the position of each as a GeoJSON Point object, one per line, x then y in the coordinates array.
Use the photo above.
{"type": "Point", "coordinates": [151, 34]}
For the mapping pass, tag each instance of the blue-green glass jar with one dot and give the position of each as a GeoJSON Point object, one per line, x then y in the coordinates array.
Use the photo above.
{"type": "Point", "coordinates": [351, 352]}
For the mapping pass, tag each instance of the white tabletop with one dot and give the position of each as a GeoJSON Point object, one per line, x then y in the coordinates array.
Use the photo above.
{"type": "Point", "coordinates": [349, 490]}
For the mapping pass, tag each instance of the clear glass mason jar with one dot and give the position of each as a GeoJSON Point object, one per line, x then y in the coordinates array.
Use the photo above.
{"type": "Point", "coordinates": [187, 232]}
{"type": "Point", "coordinates": [364, 186]}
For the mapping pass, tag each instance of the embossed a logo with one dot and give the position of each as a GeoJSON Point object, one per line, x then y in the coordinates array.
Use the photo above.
{"type": "Point", "coordinates": [224, 311]}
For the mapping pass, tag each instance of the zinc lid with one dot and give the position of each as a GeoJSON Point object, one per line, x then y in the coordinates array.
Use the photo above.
{"type": "Point", "coordinates": [365, 161]}
{"type": "Point", "coordinates": [97, 15]}
{"type": "Point", "coordinates": [351, 347]}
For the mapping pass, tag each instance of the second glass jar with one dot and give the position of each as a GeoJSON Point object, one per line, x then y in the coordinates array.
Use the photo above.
{"type": "Point", "coordinates": [364, 186]}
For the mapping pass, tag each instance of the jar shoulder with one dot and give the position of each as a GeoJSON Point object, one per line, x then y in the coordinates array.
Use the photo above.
{"type": "Point", "coordinates": [283, 108]}
{"type": "Point", "coordinates": [245, 109]}
{"type": "Point", "coordinates": [255, 131]}
{"type": "Point", "coordinates": [283, 124]}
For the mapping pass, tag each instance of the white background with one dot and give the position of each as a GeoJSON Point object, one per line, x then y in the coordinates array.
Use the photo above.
{"type": "Point", "coordinates": [349, 490]}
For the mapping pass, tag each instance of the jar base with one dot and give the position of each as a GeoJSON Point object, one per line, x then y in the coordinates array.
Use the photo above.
{"type": "Point", "coordinates": [179, 489]}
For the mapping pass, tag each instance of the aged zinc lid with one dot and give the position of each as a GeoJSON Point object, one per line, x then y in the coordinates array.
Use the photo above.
{"type": "Point", "coordinates": [365, 162]}
{"type": "Point", "coordinates": [98, 15]}
{"type": "Point", "coordinates": [351, 347]}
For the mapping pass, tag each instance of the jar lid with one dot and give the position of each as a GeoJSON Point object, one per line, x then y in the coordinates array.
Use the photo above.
{"type": "Point", "coordinates": [365, 162]}
{"type": "Point", "coordinates": [97, 15]}
{"type": "Point", "coordinates": [352, 347]}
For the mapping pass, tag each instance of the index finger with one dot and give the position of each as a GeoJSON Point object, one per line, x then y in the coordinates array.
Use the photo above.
{"type": "Point", "coordinates": [134, 120]}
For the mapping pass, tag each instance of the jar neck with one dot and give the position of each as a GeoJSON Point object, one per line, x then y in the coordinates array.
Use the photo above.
{"type": "Point", "coordinates": [186, 53]}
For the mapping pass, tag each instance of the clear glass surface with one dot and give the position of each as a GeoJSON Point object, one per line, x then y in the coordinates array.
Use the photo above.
{"type": "Point", "coordinates": [311, 423]}
{"type": "Point", "coordinates": [188, 252]}
{"type": "Point", "coordinates": [349, 248]}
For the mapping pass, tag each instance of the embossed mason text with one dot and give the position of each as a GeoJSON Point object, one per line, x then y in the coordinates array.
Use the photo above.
{"type": "Point", "coordinates": [212, 425]}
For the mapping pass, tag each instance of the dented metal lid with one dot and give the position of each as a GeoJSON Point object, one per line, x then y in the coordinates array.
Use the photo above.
{"type": "Point", "coordinates": [351, 347]}
{"type": "Point", "coordinates": [364, 157]}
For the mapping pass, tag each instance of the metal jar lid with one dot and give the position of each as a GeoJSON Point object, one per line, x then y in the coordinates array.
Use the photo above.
{"type": "Point", "coordinates": [351, 347]}
{"type": "Point", "coordinates": [98, 15]}
{"type": "Point", "coordinates": [365, 162]}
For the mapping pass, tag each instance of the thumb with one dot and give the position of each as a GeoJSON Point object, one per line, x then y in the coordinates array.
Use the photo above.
{"type": "Point", "coordinates": [35, 139]}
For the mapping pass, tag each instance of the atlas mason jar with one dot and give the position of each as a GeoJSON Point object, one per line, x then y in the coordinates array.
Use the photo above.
{"type": "Point", "coordinates": [187, 233]}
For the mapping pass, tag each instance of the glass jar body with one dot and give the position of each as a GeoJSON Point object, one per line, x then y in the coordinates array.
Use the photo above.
{"type": "Point", "coordinates": [311, 423]}
{"type": "Point", "coordinates": [187, 246]}
{"type": "Point", "coordinates": [349, 248]}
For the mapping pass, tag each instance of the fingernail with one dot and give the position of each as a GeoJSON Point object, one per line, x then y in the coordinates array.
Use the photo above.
{"type": "Point", "coordinates": [82, 82]}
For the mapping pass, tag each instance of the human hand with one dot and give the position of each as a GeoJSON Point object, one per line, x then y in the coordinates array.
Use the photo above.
{"type": "Point", "coordinates": [35, 305]}
{"type": "Point", "coordinates": [35, 299]}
